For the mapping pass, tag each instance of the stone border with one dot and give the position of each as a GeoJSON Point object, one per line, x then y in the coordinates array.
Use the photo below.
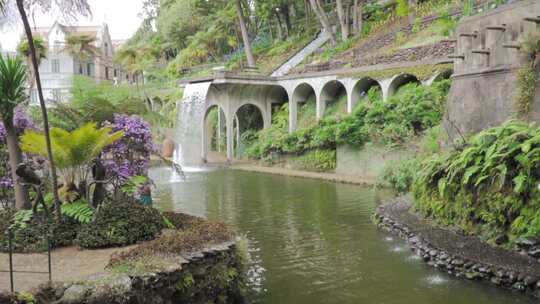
{"type": "Point", "coordinates": [458, 265]}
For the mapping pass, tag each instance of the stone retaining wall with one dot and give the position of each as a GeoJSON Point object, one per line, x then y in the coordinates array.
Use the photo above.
{"type": "Point", "coordinates": [459, 265]}
{"type": "Point", "coordinates": [207, 276]}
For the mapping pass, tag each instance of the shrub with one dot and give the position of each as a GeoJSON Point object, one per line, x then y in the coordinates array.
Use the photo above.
{"type": "Point", "coordinates": [31, 236]}
{"type": "Point", "coordinates": [490, 187]}
{"type": "Point", "coordinates": [318, 160]}
{"type": "Point", "coordinates": [120, 224]}
{"type": "Point", "coordinates": [399, 175]}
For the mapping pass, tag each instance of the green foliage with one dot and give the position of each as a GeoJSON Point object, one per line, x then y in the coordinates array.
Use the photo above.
{"type": "Point", "coordinates": [489, 187]}
{"type": "Point", "coordinates": [530, 45]}
{"type": "Point", "coordinates": [12, 86]}
{"type": "Point", "coordinates": [79, 211]}
{"type": "Point", "coordinates": [73, 151]}
{"type": "Point", "coordinates": [317, 160]}
{"type": "Point", "coordinates": [399, 174]}
{"type": "Point", "coordinates": [402, 8]}
{"type": "Point", "coordinates": [134, 184]}
{"type": "Point", "coordinates": [120, 224]}
{"type": "Point", "coordinates": [408, 113]}
{"type": "Point", "coordinates": [527, 79]}
{"type": "Point", "coordinates": [30, 231]}
{"type": "Point", "coordinates": [39, 44]}
{"type": "Point", "coordinates": [445, 24]}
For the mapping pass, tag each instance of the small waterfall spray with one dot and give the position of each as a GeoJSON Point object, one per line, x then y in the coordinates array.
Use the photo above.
{"type": "Point", "coordinates": [189, 125]}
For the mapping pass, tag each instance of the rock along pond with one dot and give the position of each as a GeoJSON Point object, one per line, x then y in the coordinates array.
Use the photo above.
{"type": "Point", "coordinates": [313, 241]}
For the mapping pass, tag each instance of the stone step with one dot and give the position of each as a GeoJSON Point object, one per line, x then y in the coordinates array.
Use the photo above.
{"type": "Point", "coordinates": [532, 19]}
{"type": "Point", "coordinates": [449, 40]}
{"type": "Point", "coordinates": [475, 34]}
{"type": "Point", "coordinates": [462, 57]}
{"type": "Point", "coordinates": [484, 52]}
{"type": "Point", "coordinates": [496, 28]}
{"type": "Point", "coordinates": [511, 46]}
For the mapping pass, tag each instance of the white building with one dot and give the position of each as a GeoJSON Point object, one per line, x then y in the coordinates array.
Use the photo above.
{"type": "Point", "coordinates": [58, 68]}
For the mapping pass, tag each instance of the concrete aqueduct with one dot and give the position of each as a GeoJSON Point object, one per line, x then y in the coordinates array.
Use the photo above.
{"type": "Point", "coordinates": [231, 92]}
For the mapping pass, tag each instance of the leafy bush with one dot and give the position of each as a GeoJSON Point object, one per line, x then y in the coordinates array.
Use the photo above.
{"type": "Point", "coordinates": [399, 175]}
{"type": "Point", "coordinates": [411, 111]}
{"type": "Point", "coordinates": [29, 231]}
{"type": "Point", "coordinates": [318, 160]}
{"type": "Point", "coordinates": [490, 187]}
{"type": "Point", "coordinates": [120, 224]}
{"type": "Point", "coordinates": [80, 211]}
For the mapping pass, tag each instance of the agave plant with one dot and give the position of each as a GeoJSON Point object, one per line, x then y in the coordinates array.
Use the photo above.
{"type": "Point", "coordinates": [74, 153]}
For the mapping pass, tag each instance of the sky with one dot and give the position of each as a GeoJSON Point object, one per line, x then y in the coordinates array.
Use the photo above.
{"type": "Point", "coordinates": [121, 16]}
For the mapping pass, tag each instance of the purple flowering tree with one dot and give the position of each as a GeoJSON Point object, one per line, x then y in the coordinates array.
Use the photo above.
{"type": "Point", "coordinates": [129, 156]}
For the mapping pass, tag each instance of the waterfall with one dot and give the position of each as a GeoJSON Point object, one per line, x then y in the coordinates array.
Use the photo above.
{"type": "Point", "coordinates": [189, 125]}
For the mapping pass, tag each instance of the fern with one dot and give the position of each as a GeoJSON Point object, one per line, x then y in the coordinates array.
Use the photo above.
{"type": "Point", "coordinates": [79, 211]}
{"type": "Point", "coordinates": [21, 219]}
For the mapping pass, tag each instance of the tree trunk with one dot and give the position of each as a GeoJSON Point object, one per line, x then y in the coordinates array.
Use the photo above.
{"type": "Point", "coordinates": [412, 16]}
{"type": "Point", "coordinates": [15, 158]}
{"type": "Point", "coordinates": [279, 26]}
{"type": "Point", "coordinates": [342, 20]}
{"type": "Point", "coordinates": [35, 65]}
{"type": "Point", "coordinates": [245, 36]}
{"type": "Point", "coordinates": [287, 16]}
{"type": "Point", "coordinates": [321, 15]}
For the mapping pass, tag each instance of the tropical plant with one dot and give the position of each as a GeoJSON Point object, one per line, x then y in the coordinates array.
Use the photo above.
{"type": "Point", "coordinates": [69, 8]}
{"type": "Point", "coordinates": [12, 94]}
{"type": "Point", "coordinates": [41, 53]}
{"type": "Point", "coordinates": [74, 153]}
{"type": "Point", "coordinates": [80, 211]}
{"type": "Point", "coordinates": [490, 187]}
{"type": "Point", "coordinates": [81, 46]}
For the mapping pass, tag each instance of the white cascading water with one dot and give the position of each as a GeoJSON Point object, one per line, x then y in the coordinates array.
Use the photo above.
{"type": "Point", "coordinates": [189, 127]}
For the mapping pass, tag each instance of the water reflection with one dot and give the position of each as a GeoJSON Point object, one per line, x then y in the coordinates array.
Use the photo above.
{"type": "Point", "coordinates": [313, 241]}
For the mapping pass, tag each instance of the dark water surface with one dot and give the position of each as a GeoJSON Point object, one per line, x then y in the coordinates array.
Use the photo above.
{"type": "Point", "coordinates": [313, 241]}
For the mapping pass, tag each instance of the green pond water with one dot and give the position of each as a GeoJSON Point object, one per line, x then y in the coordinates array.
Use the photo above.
{"type": "Point", "coordinates": [313, 241]}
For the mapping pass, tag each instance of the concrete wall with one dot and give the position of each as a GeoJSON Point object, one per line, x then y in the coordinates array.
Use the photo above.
{"type": "Point", "coordinates": [368, 161]}
{"type": "Point", "coordinates": [484, 85]}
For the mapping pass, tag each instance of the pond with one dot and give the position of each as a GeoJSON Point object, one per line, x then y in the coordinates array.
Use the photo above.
{"type": "Point", "coordinates": [313, 241]}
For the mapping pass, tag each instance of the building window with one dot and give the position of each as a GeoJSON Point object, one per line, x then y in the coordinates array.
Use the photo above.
{"type": "Point", "coordinates": [89, 69]}
{"type": "Point", "coordinates": [55, 65]}
{"type": "Point", "coordinates": [81, 69]}
{"type": "Point", "coordinates": [57, 94]}
{"type": "Point", "coordinates": [115, 73]}
{"type": "Point", "coordinates": [106, 72]}
{"type": "Point", "coordinates": [34, 96]}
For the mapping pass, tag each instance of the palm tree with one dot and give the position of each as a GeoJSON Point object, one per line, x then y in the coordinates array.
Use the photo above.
{"type": "Point", "coordinates": [12, 93]}
{"type": "Point", "coordinates": [130, 59]}
{"type": "Point", "coordinates": [81, 47]}
{"type": "Point", "coordinates": [24, 50]}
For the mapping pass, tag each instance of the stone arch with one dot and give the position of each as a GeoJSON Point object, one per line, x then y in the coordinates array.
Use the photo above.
{"type": "Point", "coordinates": [400, 80]}
{"type": "Point", "coordinates": [209, 139]}
{"type": "Point", "coordinates": [331, 92]}
{"type": "Point", "coordinates": [362, 87]}
{"type": "Point", "coordinates": [445, 74]}
{"type": "Point", "coordinates": [276, 98]}
{"type": "Point", "coordinates": [301, 94]}
{"type": "Point", "coordinates": [248, 116]}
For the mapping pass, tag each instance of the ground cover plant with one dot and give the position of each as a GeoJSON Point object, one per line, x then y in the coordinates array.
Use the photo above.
{"type": "Point", "coordinates": [489, 187]}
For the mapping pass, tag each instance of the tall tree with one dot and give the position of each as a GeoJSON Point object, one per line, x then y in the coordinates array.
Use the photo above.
{"type": "Point", "coordinates": [358, 13]}
{"type": "Point", "coordinates": [245, 35]}
{"type": "Point", "coordinates": [323, 19]}
{"type": "Point", "coordinates": [69, 8]}
{"type": "Point", "coordinates": [12, 94]}
{"type": "Point", "coordinates": [343, 20]}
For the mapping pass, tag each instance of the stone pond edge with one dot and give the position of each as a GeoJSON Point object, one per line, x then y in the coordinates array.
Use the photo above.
{"type": "Point", "coordinates": [456, 265]}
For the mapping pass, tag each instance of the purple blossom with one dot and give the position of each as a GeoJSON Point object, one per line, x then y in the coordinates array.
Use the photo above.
{"type": "Point", "coordinates": [6, 182]}
{"type": "Point", "coordinates": [129, 156]}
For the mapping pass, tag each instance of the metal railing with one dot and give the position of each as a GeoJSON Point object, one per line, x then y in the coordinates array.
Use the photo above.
{"type": "Point", "coordinates": [12, 271]}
